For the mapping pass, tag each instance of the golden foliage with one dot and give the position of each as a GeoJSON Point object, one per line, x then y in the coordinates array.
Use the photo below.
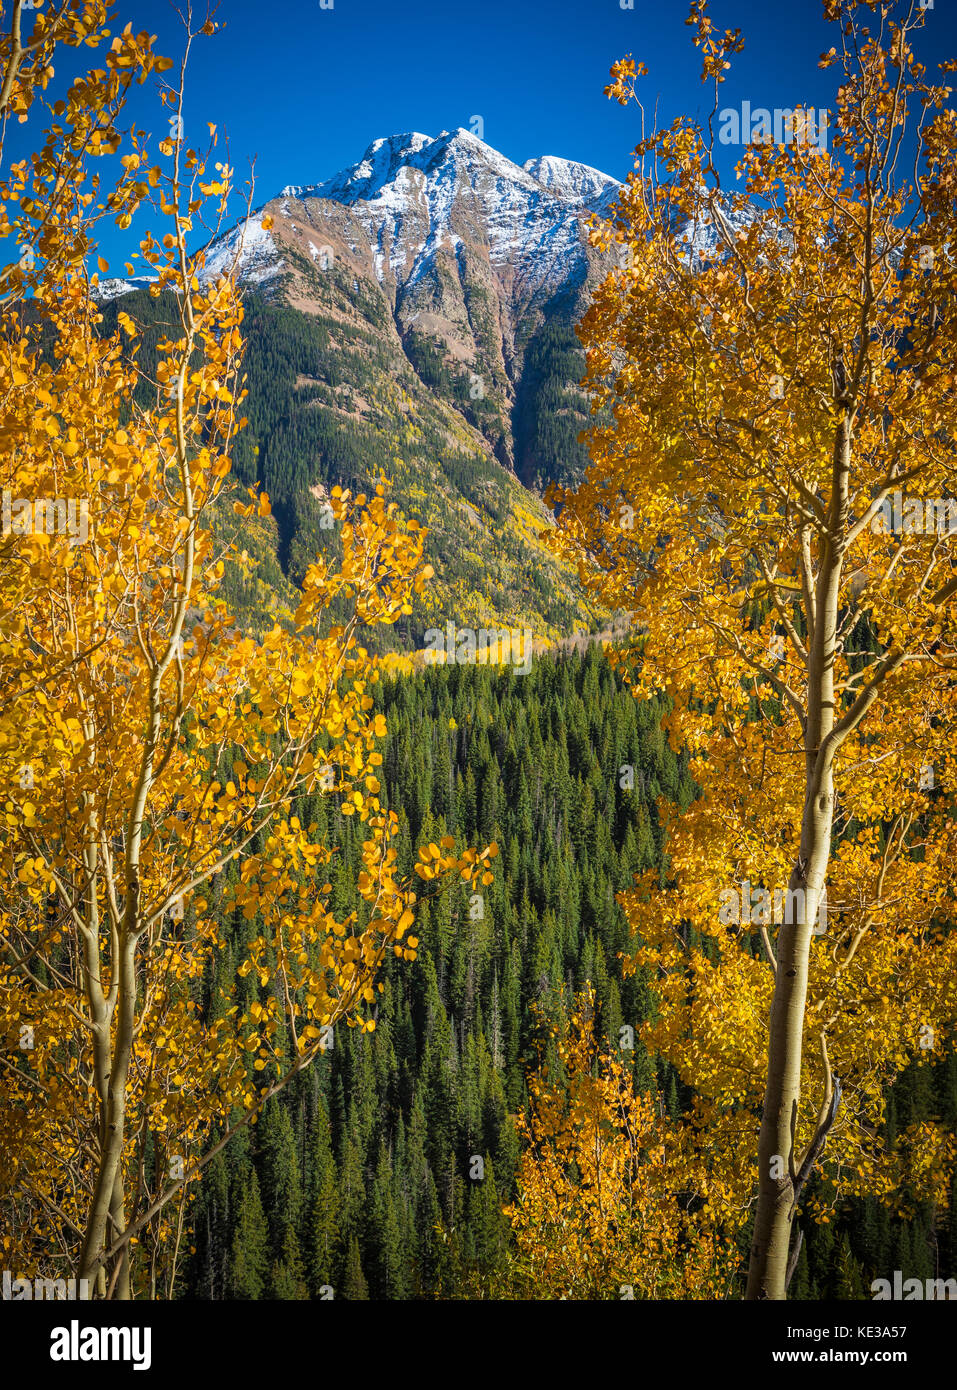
{"type": "Point", "coordinates": [614, 1199]}
{"type": "Point", "coordinates": [776, 384]}
{"type": "Point", "coordinates": [152, 755]}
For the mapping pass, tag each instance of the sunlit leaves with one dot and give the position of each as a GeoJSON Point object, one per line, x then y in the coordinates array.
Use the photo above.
{"type": "Point", "coordinates": [775, 441]}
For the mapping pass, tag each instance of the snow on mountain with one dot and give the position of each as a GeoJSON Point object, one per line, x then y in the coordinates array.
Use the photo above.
{"type": "Point", "coordinates": [379, 166]}
{"type": "Point", "coordinates": [414, 199]}
{"type": "Point", "coordinates": [440, 268]}
{"type": "Point", "coordinates": [425, 213]}
{"type": "Point", "coordinates": [115, 286]}
{"type": "Point", "coordinates": [407, 188]}
{"type": "Point", "coordinates": [703, 237]}
{"type": "Point", "coordinates": [259, 258]}
{"type": "Point", "coordinates": [573, 182]}
{"type": "Point", "coordinates": [410, 192]}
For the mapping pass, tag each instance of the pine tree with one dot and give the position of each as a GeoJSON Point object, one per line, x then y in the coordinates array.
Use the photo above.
{"type": "Point", "coordinates": [279, 1167]}
{"type": "Point", "coordinates": [389, 1278]}
{"type": "Point", "coordinates": [322, 1241]}
{"type": "Point", "coordinates": [287, 1277]}
{"type": "Point", "coordinates": [250, 1251]}
{"type": "Point", "coordinates": [354, 1286]}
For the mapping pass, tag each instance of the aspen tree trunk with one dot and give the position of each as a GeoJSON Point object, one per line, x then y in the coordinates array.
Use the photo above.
{"type": "Point", "coordinates": [101, 1013]}
{"type": "Point", "coordinates": [107, 1212]}
{"type": "Point", "coordinates": [777, 1163]}
{"type": "Point", "coordinates": [117, 1226]}
{"type": "Point", "coordinates": [107, 1220]}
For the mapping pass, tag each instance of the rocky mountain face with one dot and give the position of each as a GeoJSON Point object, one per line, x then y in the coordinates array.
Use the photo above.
{"type": "Point", "coordinates": [415, 313]}
{"type": "Point", "coordinates": [468, 254]}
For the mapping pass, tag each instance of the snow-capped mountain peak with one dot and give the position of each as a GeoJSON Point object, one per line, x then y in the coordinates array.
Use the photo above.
{"type": "Point", "coordinates": [458, 150]}
{"type": "Point", "coordinates": [417, 196]}
{"type": "Point", "coordinates": [572, 181]}
{"type": "Point", "coordinates": [413, 196]}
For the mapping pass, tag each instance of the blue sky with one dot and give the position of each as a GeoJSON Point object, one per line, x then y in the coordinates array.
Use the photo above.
{"type": "Point", "coordinates": [305, 89]}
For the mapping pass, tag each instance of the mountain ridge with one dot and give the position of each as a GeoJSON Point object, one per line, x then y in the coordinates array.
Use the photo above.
{"type": "Point", "coordinates": [414, 315]}
{"type": "Point", "coordinates": [381, 178]}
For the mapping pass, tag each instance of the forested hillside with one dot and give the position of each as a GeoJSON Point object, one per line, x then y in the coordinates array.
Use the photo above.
{"type": "Point", "coordinates": [333, 403]}
{"type": "Point", "coordinates": [357, 1183]}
